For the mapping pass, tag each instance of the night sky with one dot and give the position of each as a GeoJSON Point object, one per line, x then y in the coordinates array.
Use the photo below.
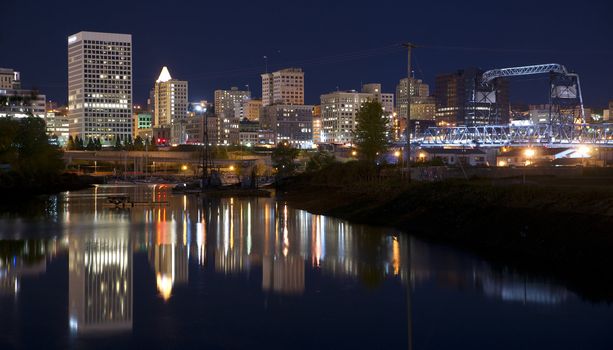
{"type": "Point", "coordinates": [339, 44]}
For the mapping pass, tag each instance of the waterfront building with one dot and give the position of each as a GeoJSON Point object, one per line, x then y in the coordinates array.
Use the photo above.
{"type": "Point", "coordinates": [285, 86]}
{"type": "Point", "coordinates": [170, 100]}
{"type": "Point", "coordinates": [142, 125]}
{"type": "Point", "coordinates": [454, 156]}
{"type": "Point", "coordinates": [100, 85]}
{"type": "Point", "coordinates": [289, 123]}
{"type": "Point", "coordinates": [58, 126]}
{"type": "Point", "coordinates": [249, 132]}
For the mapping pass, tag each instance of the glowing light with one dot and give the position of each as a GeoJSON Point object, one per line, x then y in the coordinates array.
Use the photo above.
{"type": "Point", "coordinates": [354, 153]}
{"type": "Point", "coordinates": [183, 167]}
{"type": "Point", "coordinates": [502, 163]}
{"type": "Point", "coordinates": [164, 76]}
{"type": "Point", "coordinates": [397, 154]}
{"type": "Point", "coordinates": [164, 284]}
{"type": "Point", "coordinates": [585, 151]}
{"type": "Point", "coordinates": [529, 152]}
{"type": "Point", "coordinates": [231, 167]}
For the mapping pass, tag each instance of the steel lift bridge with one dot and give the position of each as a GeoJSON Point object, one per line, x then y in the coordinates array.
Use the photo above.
{"type": "Point", "coordinates": [566, 124]}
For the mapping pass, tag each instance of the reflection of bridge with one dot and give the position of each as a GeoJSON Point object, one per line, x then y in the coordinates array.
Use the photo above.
{"type": "Point", "coordinates": [553, 135]}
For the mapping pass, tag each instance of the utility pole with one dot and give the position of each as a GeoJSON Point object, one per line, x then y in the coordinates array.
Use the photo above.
{"type": "Point", "coordinates": [409, 46]}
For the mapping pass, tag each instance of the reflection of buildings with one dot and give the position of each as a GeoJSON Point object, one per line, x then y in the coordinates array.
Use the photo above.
{"type": "Point", "coordinates": [464, 272]}
{"type": "Point", "coordinates": [284, 275]}
{"type": "Point", "coordinates": [100, 282]}
{"type": "Point", "coordinates": [170, 262]}
{"type": "Point", "coordinates": [23, 258]}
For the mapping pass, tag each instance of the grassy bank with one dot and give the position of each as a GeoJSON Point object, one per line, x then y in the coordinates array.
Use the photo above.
{"type": "Point", "coordinates": [562, 231]}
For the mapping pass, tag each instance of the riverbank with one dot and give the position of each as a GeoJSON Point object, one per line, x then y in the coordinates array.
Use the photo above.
{"type": "Point", "coordinates": [16, 184]}
{"type": "Point", "coordinates": [561, 231]}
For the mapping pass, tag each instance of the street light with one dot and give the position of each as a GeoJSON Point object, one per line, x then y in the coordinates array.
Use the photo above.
{"type": "Point", "coordinates": [528, 153]}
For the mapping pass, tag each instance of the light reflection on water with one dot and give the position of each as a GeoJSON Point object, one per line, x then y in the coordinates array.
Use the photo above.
{"type": "Point", "coordinates": [290, 252]}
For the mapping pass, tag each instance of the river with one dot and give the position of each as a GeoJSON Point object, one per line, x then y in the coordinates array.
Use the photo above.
{"type": "Point", "coordinates": [255, 273]}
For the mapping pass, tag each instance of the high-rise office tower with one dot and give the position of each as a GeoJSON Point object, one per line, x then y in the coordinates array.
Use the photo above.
{"type": "Point", "coordinates": [285, 86]}
{"type": "Point", "coordinates": [226, 100]}
{"type": "Point", "coordinates": [170, 105]}
{"type": "Point", "coordinates": [100, 85]}
{"type": "Point", "coordinates": [457, 101]}
{"type": "Point", "coordinates": [423, 106]}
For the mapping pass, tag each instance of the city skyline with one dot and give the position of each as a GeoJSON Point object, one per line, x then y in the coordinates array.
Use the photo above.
{"type": "Point", "coordinates": [213, 57]}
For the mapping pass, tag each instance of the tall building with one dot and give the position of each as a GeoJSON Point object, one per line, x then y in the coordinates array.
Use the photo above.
{"type": "Point", "coordinates": [226, 100]}
{"type": "Point", "coordinates": [461, 100]}
{"type": "Point", "coordinates": [285, 86]}
{"type": "Point", "coordinates": [289, 123]}
{"type": "Point", "coordinates": [248, 109]}
{"type": "Point", "coordinates": [339, 110]}
{"type": "Point", "coordinates": [100, 85]}
{"type": "Point", "coordinates": [423, 106]}
{"type": "Point", "coordinates": [9, 79]}
{"type": "Point", "coordinates": [171, 105]}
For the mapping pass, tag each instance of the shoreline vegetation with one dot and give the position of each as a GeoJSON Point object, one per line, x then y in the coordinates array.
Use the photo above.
{"type": "Point", "coordinates": [548, 226]}
{"type": "Point", "coordinates": [29, 164]}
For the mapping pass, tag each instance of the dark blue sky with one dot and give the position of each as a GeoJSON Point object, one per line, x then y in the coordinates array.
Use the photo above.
{"type": "Point", "coordinates": [218, 44]}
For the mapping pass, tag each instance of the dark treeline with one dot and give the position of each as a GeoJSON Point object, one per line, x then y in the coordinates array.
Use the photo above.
{"type": "Point", "coordinates": [28, 162]}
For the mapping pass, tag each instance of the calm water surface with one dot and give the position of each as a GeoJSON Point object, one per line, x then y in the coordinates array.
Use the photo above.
{"type": "Point", "coordinates": [254, 273]}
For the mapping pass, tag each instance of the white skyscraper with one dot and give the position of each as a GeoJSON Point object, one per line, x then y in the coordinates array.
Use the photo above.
{"type": "Point", "coordinates": [100, 85]}
{"type": "Point", "coordinates": [171, 105]}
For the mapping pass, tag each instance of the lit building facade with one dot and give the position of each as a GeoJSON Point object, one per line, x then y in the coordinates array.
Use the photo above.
{"type": "Point", "coordinates": [248, 109]}
{"type": "Point", "coordinates": [9, 79]}
{"type": "Point", "coordinates": [285, 86]}
{"type": "Point", "coordinates": [171, 105]}
{"type": "Point", "coordinates": [226, 100]}
{"type": "Point", "coordinates": [423, 106]}
{"type": "Point", "coordinates": [143, 124]}
{"type": "Point", "coordinates": [339, 111]}
{"type": "Point", "coordinates": [21, 103]}
{"type": "Point", "coordinates": [289, 123]}
{"type": "Point", "coordinates": [100, 85]}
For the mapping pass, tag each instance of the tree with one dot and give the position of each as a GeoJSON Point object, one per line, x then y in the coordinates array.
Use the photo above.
{"type": "Point", "coordinates": [128, 144]}
{"type": "Point", "coordinates": [79, 143]}
{"type": "Point", "coordinates": [71, 144]}
{"type": "Point", "coordinates": [97, 144]}
{"type": "Point", "coordinates": [283, 158]}
{"type": "Point", "coordinates": [370, 132]}
{"type": "Point", "coordinates": [90, 144]}
{"type": "Point", "coordinates": [118, 143]}
{"type": "Point", "coordinates": [319, 161]}
{"type": "Point", "coordinates": [138, 143]}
